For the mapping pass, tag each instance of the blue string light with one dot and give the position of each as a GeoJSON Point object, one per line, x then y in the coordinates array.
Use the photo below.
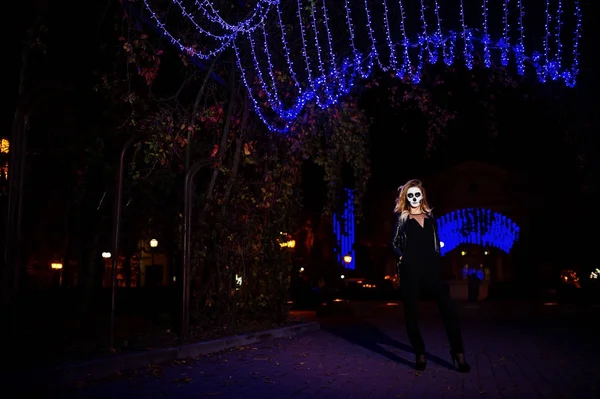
{"type": "Point", "coordinates": [332, 58]}
{"type": "Point", "coordinates": [390, 43]}
{"type": "Point", "coordinates": [467, 37]}
{"type": "Point", "coordinates": [189, 50]}
{"type": "Point", "coordinates": [543, 72]}
{"type": "Point", "coordinates": [343, 228]}
{"type": "Point", "coordinates": [304, 51]}
{"type": "Point", "coordinates": [571, 78]}
{"type": "Point", "coordinates": [199, 28]}
{"type": "Point", "coordinates": [326, 75]}
{"type": "Point", "coordinates": [313, 21]}
{"type": "Point", "coordinates": [424, 38]}
{"type": "Point", "coordinates": [374, 53]}
{"type": "Point", "coordinates": [477, 226]}
{"type": "Point", "coordinates": [439, 36]}
{"type": "Point", "coordinates": [250, 24]}
{"type": "Point", "coordinates": [406, 65]}
{"type": "Point", "coordinates": [504, 43]}
{"type": "Point", "coordinates": [271, 95]}
{"type": "Point", "coordinates": [286, 49]}
{"type": "Point", "coordinates": [559, 46]}
{"type": "Point", "coordinates": [355, 53]}
{"type": "Point", "coordinates": [485, 38]}
{"type": "Point", "coordinates": [271, 75]}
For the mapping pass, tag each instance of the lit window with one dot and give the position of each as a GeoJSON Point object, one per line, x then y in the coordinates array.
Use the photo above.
{"type": "Point", "coordinates": [4, 146]}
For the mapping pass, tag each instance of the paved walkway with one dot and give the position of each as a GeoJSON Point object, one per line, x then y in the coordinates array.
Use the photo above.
{"type": "Point", "coordinates": [517, 351]}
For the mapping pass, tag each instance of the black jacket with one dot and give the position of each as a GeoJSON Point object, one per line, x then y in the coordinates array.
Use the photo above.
{"type": "Point", "coordinates": [399, 234]}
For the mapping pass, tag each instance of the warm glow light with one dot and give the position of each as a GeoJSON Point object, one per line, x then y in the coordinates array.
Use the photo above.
{"type": "Point", "coordinates": [106, 255]}
{"type": "Point", "coordinates": [441, 244]}
{"type": "Point", "coordinates": [238, 279]}
{"type": "Point", "coordinates": [570, 277]}
{"type": "Point", "coordinates": [369, 285]}
{"type": "Point", "coordinates": [595, 274]}
{"type": "Point", "coordinates": [485, 252]}
{"type": "Point", "coordinates": [301, 269]}
{"type": "Point", "coordinates": [154, 243]}
{"type": "Point", "coordinates": [288, 244]}
{"type": "Point", "coordinates": [56, 266]}
{"type": "Point", "coordinates": [4, 146]}
{"type": "Point", "coordinates": [463, 253]}
{"type": "Point", "coordinates": [342, 276]}
{"type": "Point", "coordinates": [347, 258]}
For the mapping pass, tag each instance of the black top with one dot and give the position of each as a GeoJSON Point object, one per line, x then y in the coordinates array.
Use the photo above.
{"type": "Point", "coordinates": [420, 246]}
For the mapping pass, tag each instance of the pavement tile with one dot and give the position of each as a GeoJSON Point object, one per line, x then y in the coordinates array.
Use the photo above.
{"type": "Point", "coordinates": [512, 356]}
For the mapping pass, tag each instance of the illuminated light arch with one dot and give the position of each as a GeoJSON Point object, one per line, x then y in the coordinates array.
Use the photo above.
{"type": "Point", "coordinates": [477, 226]}
{"type": "Point", "coordinates": [386, 34]}
{"type": "Point", "coordinates": [344, 230]}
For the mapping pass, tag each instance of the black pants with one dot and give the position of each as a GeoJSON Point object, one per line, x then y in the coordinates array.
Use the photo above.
{"type": "Point", "coordinates": [412, 285]}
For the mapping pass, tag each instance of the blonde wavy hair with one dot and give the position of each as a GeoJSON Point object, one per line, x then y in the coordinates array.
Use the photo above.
{"type": "Point", "coordinates": [402, 207]}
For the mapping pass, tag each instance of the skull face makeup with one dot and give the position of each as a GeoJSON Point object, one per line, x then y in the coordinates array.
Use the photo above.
{"type": "Point", "coordinates": [414, 197]}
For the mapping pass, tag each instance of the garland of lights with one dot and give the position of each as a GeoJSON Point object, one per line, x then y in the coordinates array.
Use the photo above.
{"type": "Point", "coordinates": [327, 76]}
{"type": "Point", "coordinates": [344, 230]}
{"type": "Point", "coordinates": [477, 226]}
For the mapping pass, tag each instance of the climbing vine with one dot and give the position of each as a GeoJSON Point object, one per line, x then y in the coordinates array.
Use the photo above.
{"type": "Point", "coordinates": [250, 194]}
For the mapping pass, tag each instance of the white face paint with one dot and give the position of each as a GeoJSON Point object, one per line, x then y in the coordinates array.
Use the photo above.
{"type": "Point", "coordinates": [414, 197]}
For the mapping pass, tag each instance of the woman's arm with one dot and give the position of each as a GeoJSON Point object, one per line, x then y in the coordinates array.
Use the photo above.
{"type": "Point", "coordinates": [437, 233]}
{"type": "Point", "coordinates": [396, 239]}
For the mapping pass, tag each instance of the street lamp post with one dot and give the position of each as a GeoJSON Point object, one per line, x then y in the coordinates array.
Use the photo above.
{"type": "Point", "coordinates": [106, 256]}
{"type": "Point", "coordinates": [153, 245]}
{"type": "Point", "coordinates": [58, 266]}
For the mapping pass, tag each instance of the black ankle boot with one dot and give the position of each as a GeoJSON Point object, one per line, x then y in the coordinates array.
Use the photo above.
{"type": "Point", "coordinates": [458, 359]}
{"type": "Point", "coordinates": [420, 362]}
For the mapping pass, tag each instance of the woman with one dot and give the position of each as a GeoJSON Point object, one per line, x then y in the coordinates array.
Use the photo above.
{"type": "Point", "coordinates": [416, 246]}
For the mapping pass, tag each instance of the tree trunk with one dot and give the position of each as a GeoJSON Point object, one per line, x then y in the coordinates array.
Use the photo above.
{"type": "Point", "coordinates": [219, 156]}
{"type": "Point", "coordinates": [237, 156]}
{"type": "Point", "coordinates": [195, 110]}
{"type": "Point", "coordinates": [222, 144]}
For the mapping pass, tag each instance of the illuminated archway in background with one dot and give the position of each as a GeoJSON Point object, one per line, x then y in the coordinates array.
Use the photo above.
{"type": "Point", "coordinates": [477, 226]}
{"type": "Point", "coordinates": [343, 227]}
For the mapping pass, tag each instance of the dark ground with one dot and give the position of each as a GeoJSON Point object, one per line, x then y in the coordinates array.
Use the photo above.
{"type": "Point", "coordinates": [517, 350]}
{"type": "Point", "coordinates": [55, 329]}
